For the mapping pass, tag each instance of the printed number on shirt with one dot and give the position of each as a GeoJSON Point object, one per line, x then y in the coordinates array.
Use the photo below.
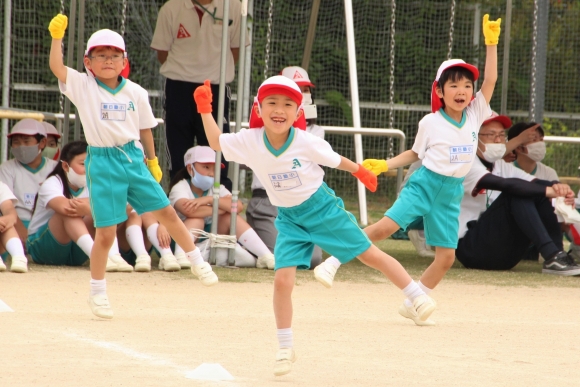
{"type": "Point", "coordinates": [113, 111]}
{"type": "Point", "coordinates": [460, 153]}
{"type": "Point", "coordinates": [285, 181]}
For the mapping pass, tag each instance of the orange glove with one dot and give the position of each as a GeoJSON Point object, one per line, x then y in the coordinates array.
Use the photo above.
{"type": "Point", "coordinates": [366, 177]}
{"type": "Point", "coordinates": [202, 96]}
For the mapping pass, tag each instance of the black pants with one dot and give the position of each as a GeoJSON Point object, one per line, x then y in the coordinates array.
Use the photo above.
{"type": "Point", "coordinates": [499, 239]}
{"type": "Point", "coordinates": [183, 123]}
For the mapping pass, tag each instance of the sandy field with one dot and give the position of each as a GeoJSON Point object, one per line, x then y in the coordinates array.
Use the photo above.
{"type": "Point", "coordinates": [167, 324]}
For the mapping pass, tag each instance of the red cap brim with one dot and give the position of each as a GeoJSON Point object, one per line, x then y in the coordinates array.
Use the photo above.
{"type": "Point", "coordinates": [503, 120]}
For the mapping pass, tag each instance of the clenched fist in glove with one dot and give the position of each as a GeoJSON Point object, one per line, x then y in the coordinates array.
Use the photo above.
{"type": "Point", "coordinates": [57, 26]}
{"type": "Point", "coordinates": [366, 177]}
{"type": "Point", "coordinates": [202, 96]}
{"type": "Point", "coordinates": [491, 30]}
{"type": "Point", "coordinates": [154, 168]}
{"type": "Point", "coordinates": [376, 166]}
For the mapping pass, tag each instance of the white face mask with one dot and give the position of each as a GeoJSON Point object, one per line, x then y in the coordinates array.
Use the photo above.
{"type": "Point", "coordinates": [537, 150]}
{"type": "Point", "coordinates": [493, 151]}
{"type": "Point", "coordinates": [76, 179]}
{"type": "Point", "coordinates": [306, 99]}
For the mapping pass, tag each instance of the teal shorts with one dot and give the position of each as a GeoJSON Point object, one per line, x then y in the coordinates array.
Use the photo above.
{"type": "Point", "coordinates": [435, 198]}
{"type": "Point", "coordinates": [320, 220]}
{"type": "Point", "coordinates": [116, 176]}
{"type": "Point", "coordinates": [46, 250]}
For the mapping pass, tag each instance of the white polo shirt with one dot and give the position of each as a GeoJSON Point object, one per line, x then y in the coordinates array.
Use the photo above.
{"type": "Point", "coordinates": [542, 171]}
{"type": "Point", "coordinates": [447, 147]}
{"type": "Point", "coordinates": [473, 203]}
{"type": "Point", "coordinates": [182, 190]}
{"type": "Point", "coordinates": [50, 189]}
{"type": "Point", "coordinates": [110, 117]}
{"type": "Point", "coordinates": [6, 194]}
{"type": "Point", "coordinates": [291, 174]}
{"type": "Point", "coordinates": [194, 49]}
{"type": "Point", "coordinates": [25, 182]}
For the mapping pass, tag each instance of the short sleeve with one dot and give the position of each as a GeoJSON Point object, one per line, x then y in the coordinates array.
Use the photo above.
{"type": "Point", "coordinates": [180, 190]}
{"type": "Point", "coordinates": [6, 176]}
{"type": "Point", "coordinates": [234, 146]}
{"type": "Point", "coordinates": [421, 140]}
{"type": "Point", "coordinates": [50, 189]}
{"type": "Point", "coordinates": [162, 36]}
{"type": "Point", "coordinates": [6, 194]}
{"type": "Point", "coordinates": [146, 118]}
{"type": "Point", "coordinates": [75, 86]}
{"type": "Point", "coordinates": [321, 152]}
{"type": "Point", "coordinates": [480, 108]}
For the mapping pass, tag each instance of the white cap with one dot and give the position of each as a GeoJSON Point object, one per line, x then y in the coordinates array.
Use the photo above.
{"type": "Point", "coordinates": [199, 154]}
{"type": "Point", "coordinates": [28, 127]}
{"type": "Point", "coordinates": [279, 84]}
{"type": "Point", "coordinates": [105, 38]}
{"type": "Point", "coordinates": [50, 129]}
{"type": "Point", "coordinates": [298, 75]}
{"type": "Point", "coordinates": [457, 63]}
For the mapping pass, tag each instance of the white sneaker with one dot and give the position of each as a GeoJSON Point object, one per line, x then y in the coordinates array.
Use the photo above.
{"type": "Point", "coordinates": [122, 265]}
{"type": "Point", "coordinates": [100, 306]}
{"type": "Point", "coordinates": [169, 263]}
{"type": "Point", "coordinates": [143, 263]}
{"type": "Point", "coordinates": [324, 273]}
{"type": "Point", "coordinates": [410, 313]}
{"type": "Point", "coordinates": [182, 260]}
{"type": "Point", "coordinates": [205, 274]}
{"type": "Point", "coordinates": [19, 264]}
{"type": "Point", "coordinates": [2, 265]}
{"type": "Point", "coordinates": [266, 261]}
{"type": "Point", "coordinates": [284, 359]}
{"type": "Point", "coordinates": [420, 244]}
{"type": "Point", "coordinates": [424, 306]}
{"type": "Point", "coordinates": [111, 265]}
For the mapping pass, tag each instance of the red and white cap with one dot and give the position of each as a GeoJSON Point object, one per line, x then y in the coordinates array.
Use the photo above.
{"type": "Point", "coordinates": [278, 84]}
{"type": "Point", "coordinates": [28, 127]}
{"type": "Point", "coordinates": [298, 75]}
{"type": "Point", "coordinates": [436, 103]}
{"type": "Point", "coordinates": [503, 120]}
{"type": "Point", "coordinates": [106, 38]}
{"type": "Point", "coordinates": [200, 154]}
{"type": "Point", "coordinates": [50, 129]}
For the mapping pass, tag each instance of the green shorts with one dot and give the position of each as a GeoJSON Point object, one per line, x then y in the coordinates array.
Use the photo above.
{"type": "Point", "coordinates": [46, 250]}
{"type": "Point", "coordinates": [320, 220]}
{"type": "Point", "coordinates": [116, 176]}
{"type": "Point", "coordinates": [435, 198]}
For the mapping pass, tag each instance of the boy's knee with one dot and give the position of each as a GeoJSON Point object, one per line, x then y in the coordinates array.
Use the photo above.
{"type": "Point", "coordinates": [445, 259]}
{"type": "Point", "coordinates": [283, 281]}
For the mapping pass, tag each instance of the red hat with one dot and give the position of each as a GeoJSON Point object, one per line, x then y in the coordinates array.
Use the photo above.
{"type": "Point", "coordinates": [503, 120]}
{"type": "Point", "coordinates": [298, 75]}
{"type": "Point", "coordinates": [436, 103]}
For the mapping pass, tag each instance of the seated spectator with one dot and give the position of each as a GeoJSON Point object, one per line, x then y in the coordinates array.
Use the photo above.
{"type": "Point", "coordinates": [52, 150]}
{"type": "Point", "coordinates": [191, 193]}
{"type": "Point", "coordinates": [9, 239]}
{"type": "Point", "coordinates": [504, 209]}
{"type": "Point", "coordinates": [530, 155]}
{"type": "Point", "coordinates": [61, 226]}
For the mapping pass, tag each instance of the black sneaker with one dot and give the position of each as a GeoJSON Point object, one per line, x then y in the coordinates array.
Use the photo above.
{"type": "Point", "coordinates": [561, 264]}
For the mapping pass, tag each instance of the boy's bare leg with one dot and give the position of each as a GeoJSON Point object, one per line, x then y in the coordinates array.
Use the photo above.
{"type": "Point", "coordinates": [283, 285]}
{"type": "Point", "coordinates": [104, 238]}
{"type": "Point", "coordinates": [444, 258]}
{"type": "Point", "coordinates": [382, 229]}
{"type": "Point", "coordinates": [389, 266]}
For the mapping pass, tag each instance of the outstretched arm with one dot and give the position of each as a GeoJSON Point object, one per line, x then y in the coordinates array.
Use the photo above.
{"type": "Point", "coordinates": [380, 166]}
{"type": "Point", "coordinates": [203, 98]}
{"type": "Point", "coordinates": [491, 31]}
{"type": "Point", "coordinates": [57, 27]}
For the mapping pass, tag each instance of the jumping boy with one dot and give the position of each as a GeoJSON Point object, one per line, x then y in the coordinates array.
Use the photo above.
{"type": "Point", "coordinates": [446, 142]}
{"type": "Point", "coordinates": [115, 113]}
{"type": "Point", "coordinates": [288, 162]}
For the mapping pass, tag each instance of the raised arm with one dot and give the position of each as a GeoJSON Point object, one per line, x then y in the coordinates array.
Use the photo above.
{"type": "Point", "coordinates": [57, 27]}
{"type": "Point", "coordinates": [491, 31]}
{"type": "Point", "coordinates": [203, 98]}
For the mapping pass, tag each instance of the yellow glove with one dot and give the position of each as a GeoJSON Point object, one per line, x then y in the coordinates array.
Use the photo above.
{"type": "Point", "coordinates": [491, 30]}
{"type": "Point", "coordinates": [154, 168]}
{"type": "Point", "coordinates": [376, 166]}
{"type": "Point", "coordinates": [57, 26]}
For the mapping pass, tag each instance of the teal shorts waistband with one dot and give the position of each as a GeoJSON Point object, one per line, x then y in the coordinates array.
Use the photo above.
{"type": "Point", "coordinates": [113, 150]}
{"type": "Point", "coordinates": [441, 178]}
{"type": "Point", "coordinates": [307, 205]}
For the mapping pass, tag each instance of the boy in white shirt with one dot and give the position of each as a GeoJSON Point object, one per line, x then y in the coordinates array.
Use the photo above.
{"type": "Point", "coordinates": [288, 162]}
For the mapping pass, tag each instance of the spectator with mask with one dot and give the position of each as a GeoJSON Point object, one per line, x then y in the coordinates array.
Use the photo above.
{"type": "Point", "coordinates": [529, 156]}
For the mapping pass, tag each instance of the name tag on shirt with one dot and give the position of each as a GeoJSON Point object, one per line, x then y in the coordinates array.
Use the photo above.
{"type": "Point", "coordinates": [113, 111]}
{"type": "Point", "coordinates": [285, 181]}
{"type": "Point", "coordinates": [460, 153]}
{"type": "Point", "coordinates": [29, 199]}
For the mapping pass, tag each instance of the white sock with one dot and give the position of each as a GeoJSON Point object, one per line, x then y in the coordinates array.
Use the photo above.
{"type": "Point", "coordinates": [85, 242]}
{"type": "Point", "coordinates": [285, 338]}
{"type": "Point", "coordinates": [195, 257]}
{"type": "Point", "coordinates": [152, 236]}
{"type": "Point", "coordinates": [413, 291]}
{"type": "Point", "coordinates": [424, 288]}
{"type": "Point", "coordinates": [135, 239]}
{"type": "Point", "coordinates": [252, 242]}
{"type": "Point", "coordinates": [98, 287]}
{"type": "Point", "coordinates": [14, 247]}
{"type": "Point", "coordinates": [178, 249]}
{"type": "Point", "coordinates": [115, 248]}
{"type": "Point", "coordinates": [333, 261]}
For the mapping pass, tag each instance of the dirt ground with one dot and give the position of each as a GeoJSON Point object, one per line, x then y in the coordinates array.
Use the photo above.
{"type": "Point", "coordinates": [166, 325]}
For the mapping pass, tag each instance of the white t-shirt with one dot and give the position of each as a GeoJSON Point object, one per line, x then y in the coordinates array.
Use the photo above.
{"type": "Point", "coordinates": [447, 147]}
{"type": "Point", "coordinates": [542, 171]}
{"type": "Point", "coordinates": [110, 117]}
{"type": "Point", "coordinates": [314, 129]}
{"type": "Point", "coordinates": [50, 189]}
{"type": "Point", "coordinates": [291, 174]}
{"type": "Point", "coordinates": [473, 203]}
{"type": "Point", "coordinates": [6, 194]}
{"type": "Point", "coordinates": [25, 183]}
{"type": "Point", "coordinates": [182, 190]}
{"type": "Point", "coordinates": [194, 50]}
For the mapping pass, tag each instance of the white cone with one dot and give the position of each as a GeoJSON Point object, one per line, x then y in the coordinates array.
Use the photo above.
{"type": "Point", "coordinates": [209, 371]}
{"type": "Point", "coordinates": [4, 307]}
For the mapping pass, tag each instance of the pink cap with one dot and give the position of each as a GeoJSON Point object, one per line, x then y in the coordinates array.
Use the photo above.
{"type": "Point", "coordinates": [28, 127]}
{"type": "Point", "coordinates": [279, 84]}
{"type": "Point", "coordinates": [199, 154]}
{"type": "Point", "coordinates": [105, 38]}
{"type": "Point", "coordinates": [298, 75]}
{"type": "Point", "coordinates": [435, 100]}
{"type": "Point", "coordinates": [503, 120]}
{"type": "Point", "coordinates": [50, 129]}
